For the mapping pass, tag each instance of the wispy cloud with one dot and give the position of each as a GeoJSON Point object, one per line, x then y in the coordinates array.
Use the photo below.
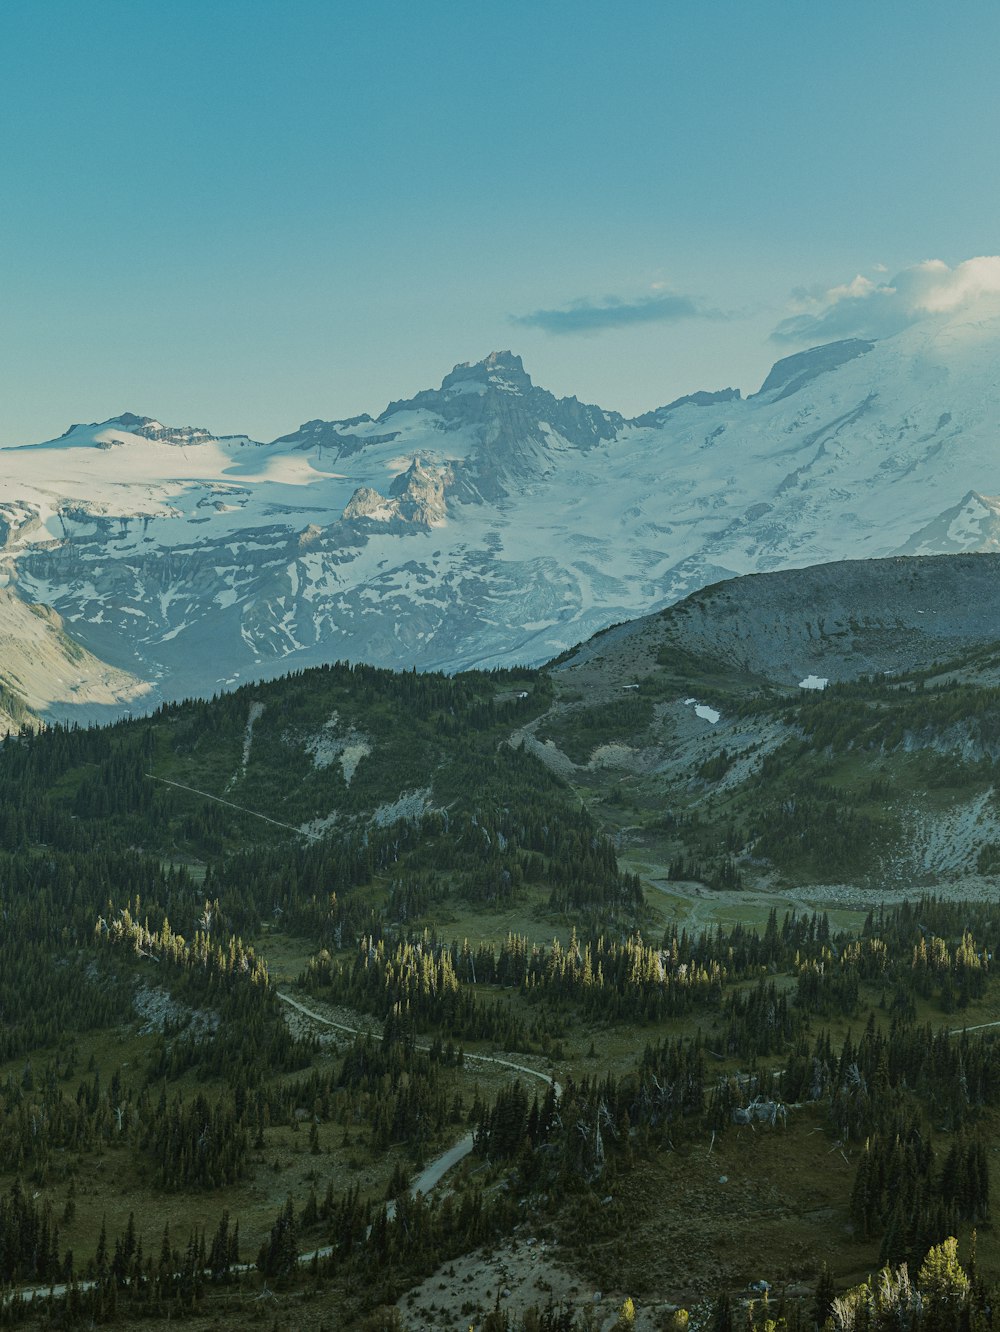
{"type": "Point", "coordinates": [590, 316]}
{"type": "Point", "coordinates": [863, 308]}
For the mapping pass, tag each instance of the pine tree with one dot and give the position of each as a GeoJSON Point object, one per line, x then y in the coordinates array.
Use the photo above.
{"type": "Point", "coordinates": [626, 1317]}
{"type": "Point", "coordinates": [944, 1287]}
{"type": "Point", "coordinates": [823, 1296]}
{"type": "Point", "coordinates": [101, 1255]}
{"type": "Point", "coordinates": [723, 1319]}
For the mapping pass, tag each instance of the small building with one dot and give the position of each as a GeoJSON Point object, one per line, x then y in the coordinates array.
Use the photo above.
{"type": "Point", "coordinates": [630, 689]}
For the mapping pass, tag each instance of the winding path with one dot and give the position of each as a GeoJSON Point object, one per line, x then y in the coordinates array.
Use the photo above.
{"type": "Point", "coordinates": [439, 1167]}
{"type": "Point", "coordinates": [430, 1176]}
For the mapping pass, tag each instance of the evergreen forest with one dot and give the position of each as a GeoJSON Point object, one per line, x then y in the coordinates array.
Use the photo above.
{"type": "Point", "coordinates": [266, 958]}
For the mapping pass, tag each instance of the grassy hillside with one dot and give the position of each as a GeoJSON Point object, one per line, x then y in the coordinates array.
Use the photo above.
{"type": "Point", "coordinates": [469, 886]}
{"type": "Point", "coordinates": [149, 869]}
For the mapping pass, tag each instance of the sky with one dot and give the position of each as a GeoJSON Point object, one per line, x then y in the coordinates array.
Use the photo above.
{"type": "Point", "coordinates": [247, 214]}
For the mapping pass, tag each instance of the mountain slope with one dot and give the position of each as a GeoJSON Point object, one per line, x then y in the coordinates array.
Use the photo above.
{"type": "Point", "coordinates": [489, 522]}
{"type": "Point", "coordinates": [707, 741]}
{"type": "Point", "coordinates": [46, 676]}
{"type": "Point", "coordinates": [837, 620]}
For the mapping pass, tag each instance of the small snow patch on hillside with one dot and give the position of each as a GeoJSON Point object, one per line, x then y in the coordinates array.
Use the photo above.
{"type": "Point", "coordinates": [703, 710]}
{"type": "Point", "coordinates": [814, 682]}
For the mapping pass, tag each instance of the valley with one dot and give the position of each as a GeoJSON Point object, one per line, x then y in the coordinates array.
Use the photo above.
{"type": "Point", "coordinates": [536, 940]}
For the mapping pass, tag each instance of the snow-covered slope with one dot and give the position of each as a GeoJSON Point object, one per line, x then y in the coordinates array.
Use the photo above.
{"type": "Point", "coordinates": [487, 521]}
{"type": "Point", "coordinates": [45, 675]}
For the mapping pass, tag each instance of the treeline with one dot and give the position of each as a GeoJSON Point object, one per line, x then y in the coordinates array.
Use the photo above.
{"type": "Point", "coordinates": [29, 1239]}
{"type": "Point", "coordinates": [370, 1255]}
{"type": "Point", "coordinates": [416, 984]}
{"type": "Point", "coordinates": [818, 833]}
{"type": "Point", "coordinates": [512, 824]}
{"type": "Point", "coordinates": [606, 979]}
{"type": "Point", "coordinates": [205, 1141]}
{"type": "Point", "coordinates": [76, 804]}
{"type": "Point", "coordinates": [125, 1279]}
{"type": "Point", "coordinates": [245, 1039]}
{"type": "Point", "coordinates": [892, 1093]}
{"type": "Point", "coordinates": [881, 714]}
{"type": "Point", "coordinates": [191, 1143]}
{"type": "Point", "coordinates": [453, 987]}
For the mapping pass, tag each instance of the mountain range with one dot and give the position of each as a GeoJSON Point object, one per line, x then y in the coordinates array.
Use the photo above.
{"type": "Point", "coordinates": [487, 522]}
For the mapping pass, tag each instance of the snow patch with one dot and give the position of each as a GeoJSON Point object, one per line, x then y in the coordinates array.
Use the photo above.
{"type": "Point", "coordinates": [703, 710]}
{"type": "Point", "coordinates": [814, 682]}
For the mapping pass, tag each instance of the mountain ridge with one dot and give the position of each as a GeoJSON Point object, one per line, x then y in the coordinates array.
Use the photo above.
{"type": "Point", "coordinates": [486, 521]}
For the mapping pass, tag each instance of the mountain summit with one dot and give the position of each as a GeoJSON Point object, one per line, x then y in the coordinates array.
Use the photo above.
{"type": "Point", "coordinates": [501, 370]}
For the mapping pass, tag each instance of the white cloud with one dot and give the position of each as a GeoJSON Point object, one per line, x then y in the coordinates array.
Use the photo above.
{"type": "Point", "coordinates": [863, 308]}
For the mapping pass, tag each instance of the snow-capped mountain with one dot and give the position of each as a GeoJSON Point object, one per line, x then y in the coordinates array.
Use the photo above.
{"type": "Point", "coordinates": [489, 522]}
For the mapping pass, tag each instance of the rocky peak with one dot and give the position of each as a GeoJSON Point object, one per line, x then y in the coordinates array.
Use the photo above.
{"type": "Point", "coordinates": [335, 435]}
{"type": "Point", "coordinates": [513, 417]}
{"type": "Point", "coordinates": [174, 434]}
{"type": "Point", "coordinates": [147, 427]}
{"type": "Point", "coordinates": [367, 503]}
{"type": "Point", "coordinates": [135, 424]}
{"type": "Point", "coordinates": [416, 498]}
{"type": "Point", "coordinates": [420, 494]}
{"type": "Point", "coordinates": [501, 370]}
{"type": "Point", "coordinates": [127, 421]}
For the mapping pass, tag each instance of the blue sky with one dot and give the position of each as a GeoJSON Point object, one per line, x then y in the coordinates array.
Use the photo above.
{"type": "Point", "coordinates": [243, 215]}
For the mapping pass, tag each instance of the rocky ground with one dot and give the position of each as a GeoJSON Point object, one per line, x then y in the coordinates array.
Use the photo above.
{"type": "Point", "coordinates": [513, 1276]}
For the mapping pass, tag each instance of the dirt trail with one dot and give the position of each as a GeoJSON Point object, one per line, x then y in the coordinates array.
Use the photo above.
{"type": "Point", "coordinates": [303, 832]}
{"type": "Point", "coordinates": [439, 1167]}
{"type": "Point", "coordinates": [430, 1176]}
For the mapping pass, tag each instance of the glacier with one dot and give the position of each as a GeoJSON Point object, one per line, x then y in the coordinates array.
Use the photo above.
{"type": "Point", "coordinates": [487, 522]}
